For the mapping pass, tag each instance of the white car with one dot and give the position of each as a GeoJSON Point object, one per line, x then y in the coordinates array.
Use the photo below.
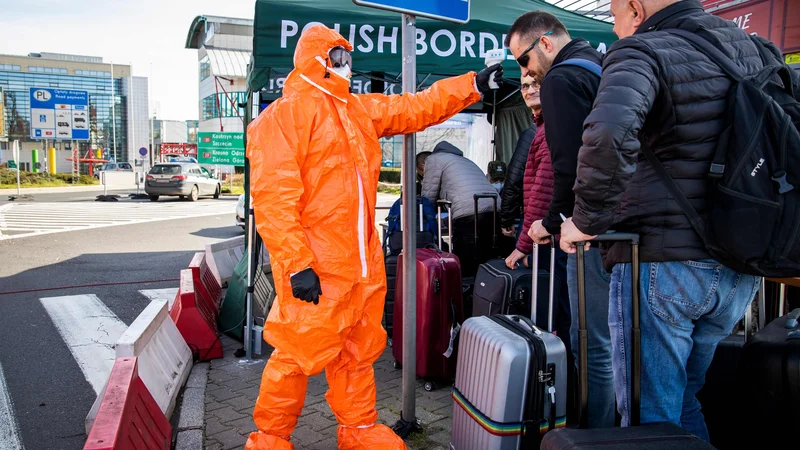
{"type": "Point", "coordinates": [240, 212]}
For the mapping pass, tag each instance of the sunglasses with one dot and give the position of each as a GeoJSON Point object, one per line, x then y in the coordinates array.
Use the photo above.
{"type": "Point", "coordinates": [530, 87]}
{"type": "Point", "coordinates": [524, 58]}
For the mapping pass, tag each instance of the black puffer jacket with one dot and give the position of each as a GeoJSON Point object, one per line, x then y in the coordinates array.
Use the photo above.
{"type": "Point", "coordinates": [658, 86]}
{"type": "Point", "coordinates": [512, 189]}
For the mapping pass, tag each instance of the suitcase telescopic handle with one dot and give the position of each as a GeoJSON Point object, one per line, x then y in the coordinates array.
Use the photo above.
{"type": "Point", "coordinates": [477, 197]}
{"type": "Point", "coordinates": [535, 284]}
{"type": "Point", "coordinates": [449, 205]}
{"type": "Point", "coordinates": [583, 343]}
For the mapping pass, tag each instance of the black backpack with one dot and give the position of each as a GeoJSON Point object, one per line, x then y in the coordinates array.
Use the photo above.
{"type": "Point", "coordinates": [753, 221]}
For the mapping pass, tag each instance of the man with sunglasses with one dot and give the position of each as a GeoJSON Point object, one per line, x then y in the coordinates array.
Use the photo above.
{"type": "Point", "coordinates": [544, 49]}
{"type": "Point", "coordinates": [315, 159]}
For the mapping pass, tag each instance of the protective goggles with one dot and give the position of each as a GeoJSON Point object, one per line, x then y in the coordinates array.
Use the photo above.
{"type": "Point", "coordinates": [339, 57]}
{"type": "Point", "coordinates": [524, 58]}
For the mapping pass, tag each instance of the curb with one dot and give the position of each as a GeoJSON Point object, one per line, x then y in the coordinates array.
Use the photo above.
{"type": "Point", "coordinates": [66, 189]}
{"type": "Point", "coordinates": [191, 415]}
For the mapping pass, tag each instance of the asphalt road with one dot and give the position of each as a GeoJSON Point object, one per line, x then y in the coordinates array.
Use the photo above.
{"type": "Point", "coordinates": [48, 391]}
{"type": "Point", "coordinates": [84, 196]}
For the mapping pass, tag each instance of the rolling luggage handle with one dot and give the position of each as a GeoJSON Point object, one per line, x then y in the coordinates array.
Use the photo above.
{"type": "Point", "coordinates": [421, 217]}
{"type": "Point", "coordinates": [493, 196]}
{"type": "Point", "coordinates": [583, 343]}
{"type": "Point", "coordinates": [535, 283]}
{"type": "Point", "coordinates": [449, 205]}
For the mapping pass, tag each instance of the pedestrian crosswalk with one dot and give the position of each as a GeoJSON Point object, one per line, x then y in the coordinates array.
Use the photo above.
{"type": "Point", "coordinates": [89, 329]}
{"type": "Point", "coordinates": [30, 219]}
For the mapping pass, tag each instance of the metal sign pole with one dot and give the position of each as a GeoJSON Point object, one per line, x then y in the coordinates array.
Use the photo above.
{"type": "Point", "coordinates": [409, 27]}
{"type": "Point", "coordinates": [19, 163]}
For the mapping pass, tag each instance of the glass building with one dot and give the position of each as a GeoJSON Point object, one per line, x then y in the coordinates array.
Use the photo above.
{"type": "Point", "coordinates": [110, 104]}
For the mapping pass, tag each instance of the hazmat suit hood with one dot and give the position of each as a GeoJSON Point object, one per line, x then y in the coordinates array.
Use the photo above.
{"type": "Point", "coordinates": [311, 66]}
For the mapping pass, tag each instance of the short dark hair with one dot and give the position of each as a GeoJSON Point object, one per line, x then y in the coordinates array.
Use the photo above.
{"type": "Point", "coordinates": [536, 23]}
{"type": "Point", "coordinates": [421, 157]}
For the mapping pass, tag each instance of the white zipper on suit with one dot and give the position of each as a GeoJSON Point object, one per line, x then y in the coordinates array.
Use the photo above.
{"type": "Point", "coordinates": [362, 249]}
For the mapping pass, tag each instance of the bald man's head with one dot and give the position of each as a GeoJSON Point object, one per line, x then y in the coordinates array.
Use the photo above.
{"type": "Point", "coordinates": [630, 14]}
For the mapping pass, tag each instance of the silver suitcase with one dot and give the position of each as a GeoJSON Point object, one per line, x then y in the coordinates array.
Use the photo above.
{"type": "Point", "coordinates": [511, 383]}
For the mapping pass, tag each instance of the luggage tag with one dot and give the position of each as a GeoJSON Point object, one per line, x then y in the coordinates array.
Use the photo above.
{"type": "Point", "coordinates": [453, 333]}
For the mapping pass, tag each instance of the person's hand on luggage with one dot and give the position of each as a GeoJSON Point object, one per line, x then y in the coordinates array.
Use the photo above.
{"type": "Point", "coordinates": [570, 234]}
{"type": "Point", "coordinates": [306, 286]}
{"type": "Point", "coordinates": [509, 232]}
{"type": "Point", "coordinates": [514, 258]}
{"type": "Point", "coordinates": [538, 233]}
{"type": "Point", "coordinates": [494, 72]}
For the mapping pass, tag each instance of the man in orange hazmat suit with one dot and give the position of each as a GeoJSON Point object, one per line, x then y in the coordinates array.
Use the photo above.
{"type": "Point", "coordinates": [315, 160]}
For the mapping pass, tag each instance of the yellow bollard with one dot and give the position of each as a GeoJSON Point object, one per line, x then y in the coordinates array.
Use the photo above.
{"type": "Point", "coordinates": [51, 160]}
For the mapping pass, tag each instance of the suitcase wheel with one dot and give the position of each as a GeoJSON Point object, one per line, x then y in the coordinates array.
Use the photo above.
{"type": "Point", "coordinates": [430, 386]}
{"type": "Point", "coordinates": [397, 365]}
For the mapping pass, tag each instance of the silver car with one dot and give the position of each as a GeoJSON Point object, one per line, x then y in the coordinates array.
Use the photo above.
{"type": "Point", "coordinates": [183, 179]}
{"type": "Point", "coordinates": [113, 167]}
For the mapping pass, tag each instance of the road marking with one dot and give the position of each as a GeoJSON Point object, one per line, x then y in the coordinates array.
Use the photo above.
{"type": "Point", "coordinates": [167, 294]}
{"type": "Point", "coordinates": [9, 429]}
{"type": "Point", "coordinates": [90, 330]}
{"type": "Point", "coordinates": [20, 220]}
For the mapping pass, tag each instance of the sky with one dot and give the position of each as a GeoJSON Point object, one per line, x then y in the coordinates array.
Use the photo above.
{"type": "Point", "coordinates": [144, 33]}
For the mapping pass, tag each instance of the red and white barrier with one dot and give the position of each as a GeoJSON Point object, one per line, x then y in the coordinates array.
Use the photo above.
{"type": "Point", "coordinates": [205, 284]}
{"type": "Point", "coordinates": [129, 417]}
{"type": "Point", "coordinates": [196, 319]}
{"type": "Point", "coordinates": [165, 359]}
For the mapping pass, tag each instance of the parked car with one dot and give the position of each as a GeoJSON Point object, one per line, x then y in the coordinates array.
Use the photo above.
{"type": "Point", "coordinates": [113, 167]}
{"type": "Point", "coordinates": [186, 180]}
{"type": "Point", "coordinates": [240, 212]}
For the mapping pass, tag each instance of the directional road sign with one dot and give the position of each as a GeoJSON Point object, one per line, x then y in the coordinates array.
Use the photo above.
{"type": "Point", "coordinates": [225, 149]}
{"type": "Point", "coordinates": [447, 10]}
{"type": "Point", "coordinates": [59, 114]}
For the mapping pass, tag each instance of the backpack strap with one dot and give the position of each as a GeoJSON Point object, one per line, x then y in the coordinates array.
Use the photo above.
{"type": "Point", "coordinates": [584, 64]}
{"type": "Point", "coordinates": [711, 51]}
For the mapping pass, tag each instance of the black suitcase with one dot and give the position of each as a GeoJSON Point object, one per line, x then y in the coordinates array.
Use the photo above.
{"type": "Point", "coordinates": [390, 261]}
{"type": "Point", "coordinates": [770, 382]}
{"type": "Point", "coordinates": [650, 436]}
{"type": "Point", "coordinates": [500, 290]}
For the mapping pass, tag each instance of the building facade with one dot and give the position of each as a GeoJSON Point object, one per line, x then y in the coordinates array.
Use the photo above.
{"type": "Point", "coordinates": [118, 119]}
{"type": "Point", "coordinates": [224, 45]}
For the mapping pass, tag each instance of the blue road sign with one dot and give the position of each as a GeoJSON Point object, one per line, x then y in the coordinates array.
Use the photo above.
{"type": "Point", "coordinates": [447, 10]}
{"type": "Point", "coordinates": [142, 151]}
{"type": "Point", "coordinates": [59, 114]}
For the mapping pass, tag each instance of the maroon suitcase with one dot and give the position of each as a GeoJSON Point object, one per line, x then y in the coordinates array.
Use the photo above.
{"type": "Point", "coordinates": [439, 310]}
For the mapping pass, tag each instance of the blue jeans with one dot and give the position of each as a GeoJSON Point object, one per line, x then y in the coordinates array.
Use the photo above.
{"type": "Point", "coordinates": [686, 309]}
{"type": "Point", "coordinates": [601, 375]}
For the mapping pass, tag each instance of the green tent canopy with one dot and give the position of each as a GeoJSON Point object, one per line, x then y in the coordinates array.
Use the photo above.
{"type": "Point", "coordinates": [443, 49]}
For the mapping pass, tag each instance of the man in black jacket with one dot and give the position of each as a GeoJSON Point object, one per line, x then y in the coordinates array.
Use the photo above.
{"type": "Point", "coordinates": [541, 43]}
{"type": "Point", "coordinates": [512, 190]}
{"type": "Point", "coordinates": [659, 91]}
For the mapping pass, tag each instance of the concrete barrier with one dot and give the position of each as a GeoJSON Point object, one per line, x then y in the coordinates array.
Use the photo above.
{"type": "Point", "coordinates": [164, 358]}
{"type": "Point", "coordinates": [223, 256]}
{"type": "Point", "coordinates": [196, 320]}
{"type": "Point", "coordinates": [129, 417]}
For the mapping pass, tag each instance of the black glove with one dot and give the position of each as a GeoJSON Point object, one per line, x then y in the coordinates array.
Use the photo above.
{"type": "Point", "coordinates": [483, 77]}
{"type": "Point", "coordinates": [306, 287]}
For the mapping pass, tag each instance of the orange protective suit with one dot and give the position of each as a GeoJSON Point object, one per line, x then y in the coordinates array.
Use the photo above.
{"type": "Point", "coordinates": [315, 160]}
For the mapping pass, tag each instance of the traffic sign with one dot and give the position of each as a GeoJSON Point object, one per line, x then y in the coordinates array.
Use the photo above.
{"type": "Point", "coordinates": [456, 11]}
{"type": "Point", "coordinates": [59, 114]}
{"type": "Point", "coordinates": [12, 164]}
{"type": "Point", "coordinates": [142, 151]}
{"type": "Point", "coordinates": [225, 149]}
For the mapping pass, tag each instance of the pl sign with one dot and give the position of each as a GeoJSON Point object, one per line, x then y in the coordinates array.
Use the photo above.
{"type": "Point", "coordinates": [59, 114]}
